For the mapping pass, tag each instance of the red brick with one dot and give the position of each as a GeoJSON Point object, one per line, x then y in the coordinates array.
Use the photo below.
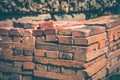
{"type": "Point", "coordinates": [51, 54]}
{"type": "Point", "coordinates": [115, 36]}
{"type": "Point", "coordinates": [88, 31]}
{"type": "Point", "coordinates": [40, 39]}
{"type": "Point", "coordinates": [118, 35]}
{"type": "Point", "coordinates": [27, 78]}
{"type": "Point", "coordinates": [4, 31]}
{"type": "Point", "coordinates": [18, 64]}
{"type": "Point", "coordinates": [28, 52]}
{"type": "Point", "coordinates": [67, 71]}
{"type": "Point", "coordinates": [27, 32]}
{"type": "Point", "coordinates": [28, 40]}
{"type": "Point", "coordinates": [54, 69]}
{"type": "Point", "coordinates": [38, 52]}
{"type": "Point", "coordinates": [102, 43]}
{"type": "Point", "coordinates": [51, 38]}
{"type": "Point", "coordinates": [16, 32]}
{"type": "Point", "coordinates": [65, 39]}
{"type": "Point", "coordinates": [6, 24]}
{"type": "Point", "coordinates": [17, 39]}
{"type": "Point", "coordinates": [41, 67]}
{"type": "Point", "coordinates": [37, 32]}
{"type": "Point", "coordinates": [66, 56]}
{"type": "Point", "coordinates": [66, 48]}
{"type": "Point", "coordinates": [93, 69]}
{"type": "Point", "coordinates": [6, 39]}
{"type": "Point", "coordinates": [6, 45]}
{"type": "Point", "coordinates": [28, 66]}
{"type": "Point", "coordinates": [28, 46]}
{"type": "Point", "coordinates": [49, 32]}
{"type": "Point", "coordinates": [52, 75]}
{"type": "Point", "coordinates": [59, 62]}
{"type": "Point", "coordinates": [89, 40]}
{"type": "Point", "coordinates": [111, 38]}
{"type": "Point", "coordinates": [100, 75]}
{"type": "Point", "coordinates": [113, 30]}
{"type": "Point", "coordinates": [46, 25]}
{"type": "Point", "coordinates": [65, 32]}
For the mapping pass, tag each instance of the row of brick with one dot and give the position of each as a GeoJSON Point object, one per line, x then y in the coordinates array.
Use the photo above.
{"type": "Point", "coordinates": [73, 51]}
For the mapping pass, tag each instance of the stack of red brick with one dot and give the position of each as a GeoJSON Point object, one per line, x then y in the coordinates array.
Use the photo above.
{"type": "Point", "coordinates": [62, 50]}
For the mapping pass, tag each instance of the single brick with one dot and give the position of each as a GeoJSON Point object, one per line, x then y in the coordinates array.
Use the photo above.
{"type": "Point", "coordinates": [4, 31]}
{"type": "Point", "coordinates": [89, 40]}
{"type": "Point", "coordinates": [18, 64]}
{"type": "Point", "coordinates": [51, 38]}
{"type": "Point", "coordinates": [28, 52]}
{"type": "Point", "coordinates": [6, 39]}
{"type": "Point", "coordinates": [49, 32]}
{"type": "Point", "coordinates": [27, 32]}
{"type": "Point", "coordinates": [28, 66]}
{"type": "Point", "coordinates": [38, 52]}
{"type": "Point", "coordinates": [16, 32]}
{"type": "Point", "coordinates": [88, 31]}
{"type": "Point", "coordinates": [65, 39]}
{"type": "Point", "coordinates": [66, 56]}
{"type": "Point", "coordinates": [65, 32]}
{"type": "Point", "coordinates": [53, 69]}
{"type": "Point", "coordinates": [41, 67]}
{"type": "Point", "coordinates": [37, 32]}
{"type": "Point", "coordinates": [40, 39]}
{"type": "Point", "coordinates": [8, 63]}
{"type": "Point", "coordinates": [28, 40]}
{"type": "Point", "coordinates": [17, 39]}
{"type": "Point", "coordinates": [15, 77]}
{"type": "Point", "coordinates": [27, 78]}
{"type": "Point", "coordinates": [51, 54]}
{"type": "Point", "coordinates": [18, 52]}
{"type": "Point", "coordinates": [68, 71]}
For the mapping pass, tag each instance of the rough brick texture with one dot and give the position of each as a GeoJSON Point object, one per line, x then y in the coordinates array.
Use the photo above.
{"type": "Point", "coordinates": [60, 50]}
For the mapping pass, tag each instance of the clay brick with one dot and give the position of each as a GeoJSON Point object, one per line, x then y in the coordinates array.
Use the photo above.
{"type": "Point", "coordinates": [6, 45]}
{"type": "Point", "coordinates": [28, 46]}
{"type": "Point", "coordinates": [46, 25]}
{"type": "Point", "coordinates": [65, 39]}
{"type": "Point", "coordinates": [93, 69]}
{"type": "Point", "coordinates": [53, 69]}
{"type": "Point", "coordinates": [57, 76]}
{"type": "Point", "coordinates": [18, 64]}
{"type": "Point", "coordinates": [6, 24]}
{"type": "Point", "coordinates": [28, 66]}
{"type": "Point", "coordinates": [40, 39]}
{"type": "Point", "coordinates": [49, 32]}
{"type": "Point", "coordinates": [17, 39]}
{"type": "Point", "coordinates": [67, 71]}
{"type": "Point", "coordinates": [0, 38]}
{"type": "Point", "coordinates": [4, 31]}
{"type": "Point", "coordinates": [113, 30]}
{"type": "Point", "coordinates": [18, 52]}
{"type": "Point", "coordinates": [41, 67]}
{"type": "Point", "coordinates": [37, 32]}
{"type": "Point", "coordinates": [58, 62]}
{"type": "Point", "coordinates": [65, 32]}
{"type": "Point", "coordinates": [51, 38]}
{"type": "Point", "coordinates": [6, 39]}
{"type": "Point", "coordinates": [28, 52]}
{"type": "Point", "coordinates": [115, 36]}
{"type": "Point", "coordinates": [38, 52]}
{"type": "Point", "coordinates": [89, 40]}
{"type": "Point", "coordinates": [6, 51]}
{"type": "Point", "coordinates": [15, 77]}
{"type": "Point", "coordinates": [102, 43]}
{"type": "Point", "coordinates": [66, 56]}
{"type": "Point", "coordinates": [66, 48]}
{"type": "Point", "coordinates": [27, 32]}
{"type": "Point", "coordinates": [88, 31]}
{"type": "Point", "coordinates": [28, 40]}
{"type": "Point", "coordinates": [111, 38]}
{"type": "Point", "coordinates": [16, 32]}
{"type": "Point", "coordinates": [27, 78]}
{"type": "Point", "coordinates": [51, 54]}
{"type": "Point", "coordinates": [100, 75]}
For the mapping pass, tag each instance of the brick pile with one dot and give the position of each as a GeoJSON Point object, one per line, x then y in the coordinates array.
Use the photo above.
{"type": "Point", "coordinates": [61, 50]}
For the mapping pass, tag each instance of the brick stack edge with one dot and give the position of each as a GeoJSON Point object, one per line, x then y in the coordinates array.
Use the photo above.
{"type": "Point", "coordinates": [59, 50]}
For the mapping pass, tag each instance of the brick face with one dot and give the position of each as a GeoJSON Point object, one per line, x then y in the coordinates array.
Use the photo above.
{"type": "Point", "coordinates": [51, 54]}
{"type": "Point", "coordinates": [28, 66]}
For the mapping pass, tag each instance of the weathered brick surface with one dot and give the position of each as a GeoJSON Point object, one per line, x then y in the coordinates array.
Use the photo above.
{"type": "Point", "coordinates": [62, 50]}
